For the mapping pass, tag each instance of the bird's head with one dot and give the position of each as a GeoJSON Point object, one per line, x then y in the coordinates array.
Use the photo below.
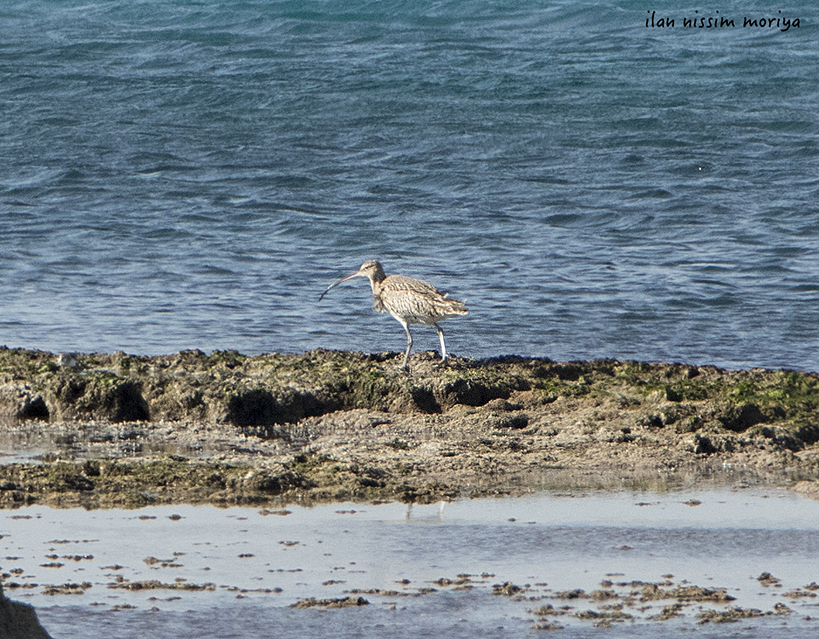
{"type": "Point", "coordinates": [371, 269]}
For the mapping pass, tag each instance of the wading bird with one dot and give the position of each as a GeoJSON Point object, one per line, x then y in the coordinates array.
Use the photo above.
{"type": "Point", "coordinates": [408, 300]}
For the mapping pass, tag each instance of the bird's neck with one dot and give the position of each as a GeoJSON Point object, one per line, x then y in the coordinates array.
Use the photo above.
{"type": "Point", "coordinates": [376, 285]}
{"type": "Point", "coordinates": [378, 274]}
{"type": "Point", "coordinates": [376, 277]}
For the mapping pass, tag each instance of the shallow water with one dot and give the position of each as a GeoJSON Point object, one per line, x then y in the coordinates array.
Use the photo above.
{"type": "Point", "coordinates": [546, 543]}
{"type": "Point", "coordinates": [193, 174]}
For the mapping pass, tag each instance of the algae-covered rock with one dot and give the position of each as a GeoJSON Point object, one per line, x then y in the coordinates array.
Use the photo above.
{"type": "Point", "coordinates": [274, 389]}
{"type": "Point", "coordinates": [19, 403]}
{"type": "Point", "coordinates": [342, 602]}
{"type": "Point", "coordinates": [325, 425]}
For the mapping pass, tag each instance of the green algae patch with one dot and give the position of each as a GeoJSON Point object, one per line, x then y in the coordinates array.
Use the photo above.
{"type": "Point", "coordinates": [134, 484]}
{"type": "Point", "coordinates": [137, 484]}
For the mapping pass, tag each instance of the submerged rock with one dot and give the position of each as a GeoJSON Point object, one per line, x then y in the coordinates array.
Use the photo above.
{"type": "Point", "coordinates": [345, 602]}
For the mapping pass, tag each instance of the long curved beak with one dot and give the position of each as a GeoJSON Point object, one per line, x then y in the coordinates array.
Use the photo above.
{"type": "Point", "coordinates": [343, 279]}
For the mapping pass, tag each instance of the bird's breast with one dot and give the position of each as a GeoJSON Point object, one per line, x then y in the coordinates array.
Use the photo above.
{"type": "Point", "coordinates": [378, 302]}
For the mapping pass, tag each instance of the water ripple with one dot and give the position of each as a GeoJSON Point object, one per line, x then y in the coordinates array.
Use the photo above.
{"type": "Point", "coordinates": [193, 175]}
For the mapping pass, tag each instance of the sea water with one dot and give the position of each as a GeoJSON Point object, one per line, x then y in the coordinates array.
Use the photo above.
{"type": "Point", "coordinates": [595, 179]}
{"type": "Point", "coordinates": [406, 562]}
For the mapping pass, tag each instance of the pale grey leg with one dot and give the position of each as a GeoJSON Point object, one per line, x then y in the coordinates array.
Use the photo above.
{"type": "Point", "coordinates": [409, 344]}
{"type": "Point", "coordinates": [443, 346]}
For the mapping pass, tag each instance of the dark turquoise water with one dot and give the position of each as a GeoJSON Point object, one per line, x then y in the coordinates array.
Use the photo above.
{"type": "Point", "coordinates": [179, 174]}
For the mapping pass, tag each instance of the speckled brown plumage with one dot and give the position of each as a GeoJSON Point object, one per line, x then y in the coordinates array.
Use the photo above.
{"type": "Point", "coordinates": [408, 300]}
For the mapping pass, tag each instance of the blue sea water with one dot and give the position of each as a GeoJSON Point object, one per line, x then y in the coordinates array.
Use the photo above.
{"type": "Point", "coordinates": [183, 174]}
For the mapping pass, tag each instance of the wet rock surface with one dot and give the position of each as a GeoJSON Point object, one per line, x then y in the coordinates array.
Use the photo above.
{"type": "Point", "coordinates": [102, 430]}
{"type": "Point", "coordinates": [19, 621]}
{"type": "Point", "coordinates": [340, 602]}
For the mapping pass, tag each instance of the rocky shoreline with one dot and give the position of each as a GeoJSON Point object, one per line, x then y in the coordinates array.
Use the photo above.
{"type": "Point", "coordinates": [104, 430]}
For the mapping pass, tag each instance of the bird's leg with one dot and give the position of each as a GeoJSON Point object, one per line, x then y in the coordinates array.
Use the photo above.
{"type": "Point", "coordinates": [409, 346]}
{"type": "Point", "coordinates": [443, 346]}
